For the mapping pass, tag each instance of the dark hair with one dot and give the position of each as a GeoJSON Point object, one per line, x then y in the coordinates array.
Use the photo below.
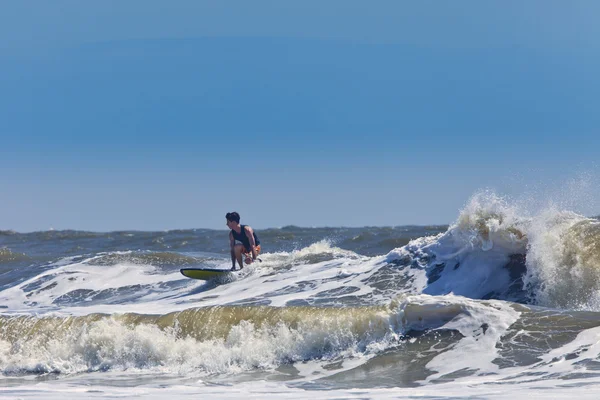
{"type": "Point", "coordinates": [233, 216]}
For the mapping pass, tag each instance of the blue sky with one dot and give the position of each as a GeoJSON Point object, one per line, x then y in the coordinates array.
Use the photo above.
{"type": "Point", "coordinates": [151, 115]}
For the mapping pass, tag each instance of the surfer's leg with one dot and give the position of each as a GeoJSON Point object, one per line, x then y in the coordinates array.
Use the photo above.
{"type": "Point", "coordinates": [238, 254]}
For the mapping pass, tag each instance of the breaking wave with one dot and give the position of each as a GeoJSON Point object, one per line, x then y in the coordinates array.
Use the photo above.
{"type": "Point", "coordinates": [493, 251]}
{"type": "Point", "coordinates": [230, 339]}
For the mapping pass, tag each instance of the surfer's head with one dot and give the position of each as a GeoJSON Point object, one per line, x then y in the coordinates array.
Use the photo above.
{"type": "Point", "coordinates": [233, 217]}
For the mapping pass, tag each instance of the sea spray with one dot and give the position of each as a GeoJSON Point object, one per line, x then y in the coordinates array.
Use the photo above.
{"type": "Point", "coordinates": [497, 250]}
{"type": "Point", "coordinates": [563, 261]}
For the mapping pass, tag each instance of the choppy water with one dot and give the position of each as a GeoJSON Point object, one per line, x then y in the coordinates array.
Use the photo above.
{"type": "Point", "coordinates": [499, 304]}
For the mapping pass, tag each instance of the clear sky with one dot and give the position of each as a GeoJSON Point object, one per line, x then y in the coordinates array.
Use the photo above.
{"type": "Point", "coordinates": [152, 115]}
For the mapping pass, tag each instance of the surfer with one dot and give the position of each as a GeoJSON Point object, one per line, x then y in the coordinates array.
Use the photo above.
{"type": "Point", "coordinates": [249, 245]}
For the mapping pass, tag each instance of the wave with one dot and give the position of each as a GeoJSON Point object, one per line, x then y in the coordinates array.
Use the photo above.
{"type": "Point", "coordinates": [8, 256]}
{"type": "Point", "coordinates": [231, 339]}
{"type": "Point", "coordinates": [494, 250]}
{"type": "Point", "coordinates": [157, 259]}
{"type": "Point", "coordinates": [65, 235]}
{"type": "Point", "coordinates": [127, 281]}
{"type": "Point", "coordinates": [563, 261]}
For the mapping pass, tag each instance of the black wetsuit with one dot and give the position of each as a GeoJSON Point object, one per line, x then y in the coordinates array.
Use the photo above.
{"type": "Point", "coordinates": [241, 237]}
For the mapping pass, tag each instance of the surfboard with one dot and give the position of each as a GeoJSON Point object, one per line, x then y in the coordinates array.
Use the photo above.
{"type": "Point", "coordinates": [203, 273]}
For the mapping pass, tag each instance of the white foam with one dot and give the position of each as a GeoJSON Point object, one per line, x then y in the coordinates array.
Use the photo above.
{"type": "Point", "coordinates": [473, 251]}
{"type": "Point", "coordinates": [83, 275]}
{"type": "Point", "coordinates": [248, 347]}
{"type": "Point", "coordinates": [482, 324]}
{"type": "Point", "coordinates": [59, 390]}
{"type": "Point", "coordinates": [110, 343]}
{"type": "Point", "coordinates": [563, 261]}
{"type": "Point", "coordinates": [295, 270]}
{"type": "Point", "coordinates": [470, 259]}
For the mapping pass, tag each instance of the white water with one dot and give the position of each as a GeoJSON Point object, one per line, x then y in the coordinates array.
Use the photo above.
{"type": "Point", "coordinates": [277, 271]}
{"type": "Point", "coordinates": [492, 382]}
{"type": "Point", "coordinates": [563, 268]}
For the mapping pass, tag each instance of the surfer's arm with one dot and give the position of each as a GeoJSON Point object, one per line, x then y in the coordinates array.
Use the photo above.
{"type": "Point", "coordinates": [232, 245]}
{"type": "Point", "coordinates": [250, 236]}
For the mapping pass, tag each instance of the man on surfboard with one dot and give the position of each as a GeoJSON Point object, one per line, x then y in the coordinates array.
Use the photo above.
{"type": "Point", "coordinates": [249, 245]}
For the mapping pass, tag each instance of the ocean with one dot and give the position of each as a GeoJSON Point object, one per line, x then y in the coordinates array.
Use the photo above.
{"type": "Point", "coordinates": [500, 304]}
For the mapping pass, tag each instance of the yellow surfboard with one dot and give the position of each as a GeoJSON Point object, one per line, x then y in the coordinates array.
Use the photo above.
{"type": "Point", "coordinates": [203, 273]}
